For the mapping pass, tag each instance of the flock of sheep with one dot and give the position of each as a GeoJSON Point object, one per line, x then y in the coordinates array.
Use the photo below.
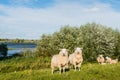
{"type": "Point", "coordinates": [63, 61]}
{"type": "Point", "coordinates": [102, 60]}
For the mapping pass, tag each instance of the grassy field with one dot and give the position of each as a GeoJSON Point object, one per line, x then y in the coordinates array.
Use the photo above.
{"type": "Point", "coordinates": [38, 69]}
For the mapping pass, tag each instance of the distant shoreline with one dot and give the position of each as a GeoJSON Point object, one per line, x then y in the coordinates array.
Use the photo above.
{"type": "Point", "coordinates": [17, 41]}
{"type": "Point", "coordinates": [11, 48]}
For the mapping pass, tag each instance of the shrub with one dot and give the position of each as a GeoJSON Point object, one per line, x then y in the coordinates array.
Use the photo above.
{"type": "Point", "coordinates": [94, 38]}
{"type": "Point", "coordinates": [3, 50]}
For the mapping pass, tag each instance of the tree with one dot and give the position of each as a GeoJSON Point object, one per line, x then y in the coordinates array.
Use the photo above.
{"type": "Point", "coordinates": [94, 38]}
{"type": "Point", "coordinates": [3, 50]}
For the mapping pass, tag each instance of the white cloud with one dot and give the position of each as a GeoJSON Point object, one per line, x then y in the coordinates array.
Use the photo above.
{"type": "Point", "coordinates": [94, 9]}
{"type": "Point", "coordinates": [23, 20]}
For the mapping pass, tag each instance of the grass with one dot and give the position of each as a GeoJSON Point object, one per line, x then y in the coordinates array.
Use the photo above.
{"type": "Point", "coordinates": [11, 48]}
{"type": "Point", "coordinates": [31, 68]}
{"type": "Point", "coordinates": [24, 63]}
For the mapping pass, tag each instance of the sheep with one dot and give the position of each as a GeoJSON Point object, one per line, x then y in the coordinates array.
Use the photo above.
{"type": "Point", "coordinates": [100, 59]}
{"type": "Point", "coordinates": [108, 60]}
{"type": "Point", "coordinates": [60, 60]}
{"type": "Point", "coordinates": [76, 58]}
{"type": "Point", "coordinates": [114, 61]}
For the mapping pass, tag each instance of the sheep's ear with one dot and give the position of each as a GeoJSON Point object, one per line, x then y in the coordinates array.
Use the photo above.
{"type": "Point", "coordinates": [60, 49]}
{"type": "Point", "coordinates": [81, 48]}
{"type": "Point", "coordinates": [67, 49]}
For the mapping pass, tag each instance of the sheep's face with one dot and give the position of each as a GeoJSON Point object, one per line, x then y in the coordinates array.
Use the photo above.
{"type": "Point", "coordinates": [107, 57]}
{"type": "Point", "coordinates": [116, 60]}
{"type": "Point", "coordinates": [78, 50]}
{"type": "Point", "coordinates": [64, 52]}
{"type": "Point", "coordinates": [100, 56]}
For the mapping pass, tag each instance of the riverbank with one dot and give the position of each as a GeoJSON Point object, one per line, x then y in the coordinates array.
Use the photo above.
{"type": "Point", "coordinates": [11, 48]}
{"type": "Point", "coordinates": [14, 48]}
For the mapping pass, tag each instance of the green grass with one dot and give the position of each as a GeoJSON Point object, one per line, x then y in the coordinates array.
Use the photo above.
{"type": "Point", "coordinates": [11, 48]}
{"type": "Point", "coordinates": [39, 69]}
{"type": "Point", "coordinates": [24, 63]}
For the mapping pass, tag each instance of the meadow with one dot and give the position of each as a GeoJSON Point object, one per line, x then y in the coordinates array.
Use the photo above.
{"type": "Point", "coordinates": [30, 68]}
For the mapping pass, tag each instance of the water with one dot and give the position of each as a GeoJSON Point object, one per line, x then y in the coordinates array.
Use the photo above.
{"type": "Point", "coordinates": [19, 47]}
{"type": "Point", "coordinates": [11, 52]}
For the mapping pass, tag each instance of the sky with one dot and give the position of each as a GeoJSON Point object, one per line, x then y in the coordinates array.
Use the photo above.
{"type": "Point", "coordinates": [29, 19]}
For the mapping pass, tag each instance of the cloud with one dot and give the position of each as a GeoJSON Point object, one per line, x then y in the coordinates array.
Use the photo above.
{"type": "Point", "coordinates": [94, 9]}
{"type": "Point", "coordinates": [26, 22]}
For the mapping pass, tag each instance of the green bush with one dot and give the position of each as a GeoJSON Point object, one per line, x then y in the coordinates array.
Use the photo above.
{"type": "Point", "coordinates": [3, 50]}
{"type": "Point", "coordinates": [94, 38]}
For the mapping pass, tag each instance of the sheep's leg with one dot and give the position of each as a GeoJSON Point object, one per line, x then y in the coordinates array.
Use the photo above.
{"type": "Point", "coordinates": [60, 70]}
{"type": "Point", "coordinates": [67, 66]}
{"type": "Point", "coordinates": [63, 69]}
{"type": "Point", "coordinates": [79, 65]}
{"type": "Point", "coordinates": [75, 66]}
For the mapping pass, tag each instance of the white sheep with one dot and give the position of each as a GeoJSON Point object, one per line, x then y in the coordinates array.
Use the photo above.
{"type": "Point", "coordinates": [100, 59]}
{"type": "Point", "coordinates": [108, 60]}
{"type": "Point", "coordinates": [114, 61]}
{"type": "Point", "coordinates": [76, 58]}
{"type": "Point", "coordinates": [60, 60]}
{"type": "Point", "coordinates": [111, 61]}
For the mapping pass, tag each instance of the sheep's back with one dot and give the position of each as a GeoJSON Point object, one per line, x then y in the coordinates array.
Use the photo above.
{"type": "Point", "coordinates": [113, 61]}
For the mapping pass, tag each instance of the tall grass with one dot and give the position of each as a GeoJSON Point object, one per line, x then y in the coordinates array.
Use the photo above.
{"type": "Point", "coordinates": [88, 72]}
{"type": "Point", "coordinates": [24, 63]}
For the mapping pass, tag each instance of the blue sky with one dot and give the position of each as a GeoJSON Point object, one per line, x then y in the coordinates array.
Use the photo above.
{"type": "Point", "coordinates": [29, 19]}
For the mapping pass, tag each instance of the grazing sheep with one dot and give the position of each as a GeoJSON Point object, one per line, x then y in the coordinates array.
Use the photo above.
{"type": "Point", "coordinates": [100, 59]}
{"type": "Point", "coordinates": [60, 60]}
{"type": "Point", "coordinates": [76, 58]}
{"type": "Point", "coordinates": [108, 60]}
{"type": "Point", "coordinates": [114, 61]}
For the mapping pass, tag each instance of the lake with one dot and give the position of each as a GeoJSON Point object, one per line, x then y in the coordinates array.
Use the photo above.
{"type": "Point", "coordinates": [19, 47]}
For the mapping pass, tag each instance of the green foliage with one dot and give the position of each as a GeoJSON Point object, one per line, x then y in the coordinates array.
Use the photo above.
{"type": "Point", "coordinates": [94, 38]}
{"type": "Point", "coordinates": [3, 50]}
{"type": "Point", "coordinates": [24, 63]}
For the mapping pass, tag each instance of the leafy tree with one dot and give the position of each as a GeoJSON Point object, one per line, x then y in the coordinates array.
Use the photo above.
{"type": "Point", "coordinates": [3, 50]}
{"type": "Point", "coordinates": [94, 38]}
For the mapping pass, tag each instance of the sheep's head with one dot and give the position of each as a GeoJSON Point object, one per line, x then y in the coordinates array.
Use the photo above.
{"type": "Point", "coordinates": [108, 58]}
{"type": "Point", "coordinates": [101, 56]}
{"type": "Point", "coordinates": [63, 52]}
{"type": "Point", "coordinates": [116, 60]}
{"type": "Point", "coordinates": [78, 50]}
